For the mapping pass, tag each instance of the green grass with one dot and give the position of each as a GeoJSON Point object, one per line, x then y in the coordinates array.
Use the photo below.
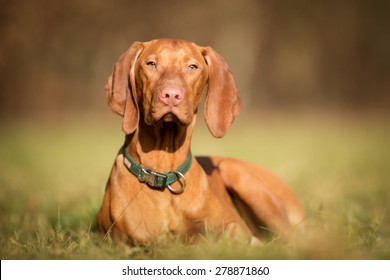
{"type": "Point", "coordinates": [53, 174]}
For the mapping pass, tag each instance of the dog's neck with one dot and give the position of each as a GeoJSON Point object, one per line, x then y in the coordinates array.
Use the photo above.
{"type": "Point", "coordinates": [162, 147]}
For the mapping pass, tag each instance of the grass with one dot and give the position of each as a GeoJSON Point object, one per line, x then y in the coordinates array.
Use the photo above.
{"type": "Point", "coordinates": [52, 178]}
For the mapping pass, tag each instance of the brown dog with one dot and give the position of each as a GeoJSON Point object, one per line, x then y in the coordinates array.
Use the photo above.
{"type": "Point", "coordinates": [156, 188]}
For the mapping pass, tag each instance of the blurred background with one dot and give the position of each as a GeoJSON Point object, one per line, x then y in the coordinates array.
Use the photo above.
{"type": "Point", "coordinates": [55, 56]}
{"type": "Point", "coordinates": [314, 78]}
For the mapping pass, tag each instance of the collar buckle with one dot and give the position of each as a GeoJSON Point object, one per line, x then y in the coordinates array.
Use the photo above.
{"type": "Point", "coordinates": [153, 178]}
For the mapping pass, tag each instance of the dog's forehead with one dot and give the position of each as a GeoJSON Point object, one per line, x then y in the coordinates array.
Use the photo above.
{"type": "Point", "coordinates": [172, 48]}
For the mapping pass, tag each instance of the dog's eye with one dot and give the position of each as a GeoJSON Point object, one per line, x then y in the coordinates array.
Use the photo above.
{"type": "Point", "coordinates": [193, 67]}
{"type": "Point", "coordinates": [151, 64]}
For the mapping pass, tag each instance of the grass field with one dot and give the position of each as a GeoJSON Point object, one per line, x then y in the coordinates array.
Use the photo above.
{"type": "Point", "coordinates": [53, 174]}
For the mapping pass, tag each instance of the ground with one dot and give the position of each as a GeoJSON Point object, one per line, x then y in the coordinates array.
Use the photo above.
{"type": "Point", "coordinates": [53, 174]}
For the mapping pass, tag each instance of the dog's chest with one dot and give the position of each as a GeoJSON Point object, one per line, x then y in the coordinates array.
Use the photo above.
{"type": "Point", "coordinates": [162, 217]}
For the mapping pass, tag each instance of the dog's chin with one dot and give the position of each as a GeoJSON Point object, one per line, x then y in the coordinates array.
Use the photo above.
{"type": "Point", "coordinates": [172, 119]}
{"type": "Point", "coordinates": [169, 119]}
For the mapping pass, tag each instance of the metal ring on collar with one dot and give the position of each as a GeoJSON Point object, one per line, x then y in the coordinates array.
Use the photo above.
{"type": "Point", "coordinates": [183, 185]}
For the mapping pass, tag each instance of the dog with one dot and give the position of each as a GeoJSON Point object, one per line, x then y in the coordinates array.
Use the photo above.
{"type": "Point", "coordinates": [157, 188]}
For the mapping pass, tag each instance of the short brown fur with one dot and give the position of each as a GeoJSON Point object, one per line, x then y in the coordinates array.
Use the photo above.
{"type": "Point", "coordinates": [157, 87]}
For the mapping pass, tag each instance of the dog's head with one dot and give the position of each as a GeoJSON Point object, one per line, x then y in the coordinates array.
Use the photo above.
{"type": "Point", "coordinates": [163, 81]}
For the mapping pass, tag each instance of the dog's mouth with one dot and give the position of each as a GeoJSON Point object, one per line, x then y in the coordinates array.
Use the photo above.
{"type": "Point", "coordinates": [165, 119]}
{"type": "Point", "coordinates": [170, 115]}
{"type": "Point", "coordinates": [170, 119]}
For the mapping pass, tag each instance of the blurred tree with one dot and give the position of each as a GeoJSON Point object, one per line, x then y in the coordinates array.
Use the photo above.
{"type": "Point", "coordinates": [55, 56]}
{"type": "Point", "coordinates": [332, 53]}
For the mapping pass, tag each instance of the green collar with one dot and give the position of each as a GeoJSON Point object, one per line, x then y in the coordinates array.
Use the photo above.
{"type": "Point", "coordinates": [156, 179]}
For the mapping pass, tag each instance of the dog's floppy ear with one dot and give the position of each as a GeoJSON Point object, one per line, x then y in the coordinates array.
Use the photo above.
{"type": "Point", "coordinates": [223, 99]}
{"type": "Point", "coordinates": [120, 88]}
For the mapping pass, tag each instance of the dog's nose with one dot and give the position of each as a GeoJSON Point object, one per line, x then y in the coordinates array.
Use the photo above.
{"type": "Point", "coordinates": [171, 96]}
